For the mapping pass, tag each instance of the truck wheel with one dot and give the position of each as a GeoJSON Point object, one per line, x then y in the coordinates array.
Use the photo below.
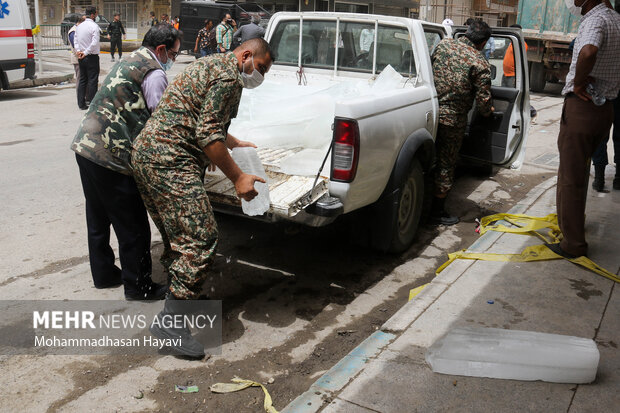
{"type": "Point", "coordinates": [409, 208]}
{"type": "Point", "coordinates": [537, 77]}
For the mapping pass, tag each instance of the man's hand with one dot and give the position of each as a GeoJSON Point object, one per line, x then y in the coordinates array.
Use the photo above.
{"type": "Point", "coordinates": [232, 142]}
{"type": "Point", "coordinates": [245, 186]}
{"type": "Point", "coordinates": [80, 55]}
{"type": "Point", "coordinates": [222, 49]}
{"type": "Point", "coordinates": [580, 91]}
{"type": "Point", "coordinates": [109, 37]}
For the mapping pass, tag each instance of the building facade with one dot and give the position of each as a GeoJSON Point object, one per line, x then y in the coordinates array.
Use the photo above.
{"type": "Point", "coordinates": [135, 14]}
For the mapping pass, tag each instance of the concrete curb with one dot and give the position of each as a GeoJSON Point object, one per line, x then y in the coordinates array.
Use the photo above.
{"type": "Point", "coordinates": [336, 378]}
{"type": "Point", "coordinates": [40, 81]}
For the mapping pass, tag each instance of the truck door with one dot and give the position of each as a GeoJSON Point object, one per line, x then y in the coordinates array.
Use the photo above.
{"type": "Point", "coordinates": [500, 139]}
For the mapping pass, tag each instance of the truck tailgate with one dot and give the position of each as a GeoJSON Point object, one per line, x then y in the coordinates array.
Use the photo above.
{"type": "Point", "coordinates": [289, 194]}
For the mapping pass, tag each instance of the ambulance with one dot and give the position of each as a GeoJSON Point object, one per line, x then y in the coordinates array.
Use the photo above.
{"type": "Point", "coordinates": [16, 43]}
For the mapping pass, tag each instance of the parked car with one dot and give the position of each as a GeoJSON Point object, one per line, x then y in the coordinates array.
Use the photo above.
{"type": "Point", "coordinates": [16, 43]}
{"type": "Point", "coordinates": [382, 142]}
{"type": "Point", "coordinates": [72, 18]}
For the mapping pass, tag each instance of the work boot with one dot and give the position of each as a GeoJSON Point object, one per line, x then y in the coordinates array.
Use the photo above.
{"type": "Point", "coordinates": [148, 291]}
{"type": "Point", "coordinates": [439, 215]}
{"type": "Point", "coordinates": [598, 184]}
{"type": "Point", "coordinates": [189, 345]}
{"type": "Point", "coordinates": [617, 179]}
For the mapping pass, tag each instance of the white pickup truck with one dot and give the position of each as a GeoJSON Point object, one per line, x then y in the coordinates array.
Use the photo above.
{"type": "Point", "coordinates": [379, 142]}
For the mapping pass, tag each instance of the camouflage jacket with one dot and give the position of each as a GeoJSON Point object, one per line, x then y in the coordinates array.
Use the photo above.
{"type": "Point", "coordinates": [461, 75]}
{"type": "Point", "coordinates": [194, 111]}
{"type": "Point", "coordinates": [117, 114]}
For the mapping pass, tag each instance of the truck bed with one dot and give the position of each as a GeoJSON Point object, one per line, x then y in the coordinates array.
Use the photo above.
{"type": "Point", "coordinates": [289, 194]}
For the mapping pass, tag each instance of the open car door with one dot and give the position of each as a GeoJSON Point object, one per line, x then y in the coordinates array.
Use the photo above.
{"type": "Point", "coordinates": [500, 139]}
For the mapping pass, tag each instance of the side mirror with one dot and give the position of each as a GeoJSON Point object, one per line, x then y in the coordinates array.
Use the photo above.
{"type": "Point", "coordinates": [493, 72]}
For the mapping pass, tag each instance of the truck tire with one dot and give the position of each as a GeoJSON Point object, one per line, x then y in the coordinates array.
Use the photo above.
{"type": "Point", "coordinates": [537, 77]}
{"type": "Point", "coordinates": [409, 209]}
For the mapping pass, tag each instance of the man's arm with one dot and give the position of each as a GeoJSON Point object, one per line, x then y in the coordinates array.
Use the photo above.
{"type": "Point", "coordinates": [221, 101]}
{"type": "Point", "coordinates": [153, 86]}
{"type": "Point", "coordinates": [197, 40]}
{"type": "Point", "coordinates": [232, 142]}
{"type": "Point", "coordinates": [218, 36]}
{"type": "Point", "coordinates": [244, 183]}
{"type": "Point", "coordinates": [482, 86]}
{"type": "Point", "coordinates": [237, 35]}
{"type": "Point", "coordinates": [590, 37]}
{"type": "Point", "coordinates": [585, 64]}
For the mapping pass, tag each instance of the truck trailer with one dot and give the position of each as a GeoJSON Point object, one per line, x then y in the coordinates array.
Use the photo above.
{"type": "Point", "coordinates": [548, 29]}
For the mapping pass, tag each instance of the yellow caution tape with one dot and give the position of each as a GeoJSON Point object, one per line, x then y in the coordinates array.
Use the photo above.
{"type": "Point", "coordinates": [526, 225]}
{"type": "Point", "coordinates": [416, 291]}
{"type": "Point", "coordinates": [241, 384]}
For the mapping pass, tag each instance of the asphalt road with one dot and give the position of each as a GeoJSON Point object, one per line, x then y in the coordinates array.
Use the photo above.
{"type": "Point", "coordinates": [295, 299]}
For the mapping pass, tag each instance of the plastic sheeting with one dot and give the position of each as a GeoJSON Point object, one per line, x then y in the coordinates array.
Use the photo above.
{"type": "Point", "coordinates": [279, 115]}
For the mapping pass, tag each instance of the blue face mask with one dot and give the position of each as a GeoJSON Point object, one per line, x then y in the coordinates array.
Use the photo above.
{"type": "Point", "coordinates": [168, 65]}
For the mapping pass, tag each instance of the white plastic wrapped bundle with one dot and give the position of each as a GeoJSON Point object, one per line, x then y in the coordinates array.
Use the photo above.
{"type": "Point", "coordinates": [279, 115]}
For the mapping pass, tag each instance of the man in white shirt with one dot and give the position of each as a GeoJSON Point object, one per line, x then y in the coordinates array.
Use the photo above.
{"type": "Point", "coordinates": [87, 47]}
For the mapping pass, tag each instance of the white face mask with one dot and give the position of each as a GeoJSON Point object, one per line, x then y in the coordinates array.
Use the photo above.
{"type": "Point", "coordinates": [253, 80]}
{"type": "Point", "coordinates": [575, 11]}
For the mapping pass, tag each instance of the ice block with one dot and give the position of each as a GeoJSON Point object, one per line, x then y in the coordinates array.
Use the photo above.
{"type": "Point", "coordinates": [250, 163]}
{"type": "Point", "coordinates": [513, 354]}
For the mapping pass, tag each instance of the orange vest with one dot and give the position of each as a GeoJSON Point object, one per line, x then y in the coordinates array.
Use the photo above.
{"type": "Point", "coordinates": [509, 61]}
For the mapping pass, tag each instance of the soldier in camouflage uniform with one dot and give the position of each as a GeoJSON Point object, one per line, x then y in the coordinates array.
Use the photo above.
{"type": "Point", "coordinates": [103, 149]}
{"type": "Point", "coordinates": [186, 134]}
{"type": "Point", "coordinates": [462, 75]}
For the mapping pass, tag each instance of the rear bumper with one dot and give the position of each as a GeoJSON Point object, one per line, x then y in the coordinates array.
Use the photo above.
{"type": "Point", "coordinates": [16, 64]}
{"type": "Point", "coordinates": [319, 214]}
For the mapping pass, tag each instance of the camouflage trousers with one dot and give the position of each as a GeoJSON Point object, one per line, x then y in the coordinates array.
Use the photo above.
{"type": "Point", "coordinates": [176, 199]}
{"type": "Point", "coordinates": [447, 146]}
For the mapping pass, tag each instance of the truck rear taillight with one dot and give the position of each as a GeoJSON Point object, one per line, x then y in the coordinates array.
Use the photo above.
{"type": "Point", "coordinates": [345, 153]}
{"type": "Point", "coordinates": [29, 44]}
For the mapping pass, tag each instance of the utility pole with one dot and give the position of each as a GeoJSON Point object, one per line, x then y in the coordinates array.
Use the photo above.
{"type": "Point", "coordinates": [37, 23]}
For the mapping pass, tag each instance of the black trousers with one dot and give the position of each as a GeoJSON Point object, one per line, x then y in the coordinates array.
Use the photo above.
{"type": "Point", "coordinates": [116, 43]}
{"type": "Point", "coordinates": [113, 199]}
{"type": "Point", "coordinates": [89, 77]}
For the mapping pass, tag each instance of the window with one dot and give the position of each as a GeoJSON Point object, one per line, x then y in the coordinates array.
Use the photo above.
{"type": "Point", "coordinates": [128, 11]}
{"type": "Point", "coordinates": [351, 8]}
{"type": "Point", "coordinates": [502, 58]}
{"type": "Point", "coordinates": [318, 40]}
{"type": "Point", "coordinates": [394, 48]}
{"type": "Point", "coordinates": [432, 39]}
{"type": "Point", "coordinates": [354, 46]}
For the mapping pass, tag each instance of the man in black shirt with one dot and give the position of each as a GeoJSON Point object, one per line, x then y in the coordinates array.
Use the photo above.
{"type": "Point", "coordinates": [116, 34]}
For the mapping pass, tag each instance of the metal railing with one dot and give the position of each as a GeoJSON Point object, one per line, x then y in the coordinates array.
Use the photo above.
{"type": "Point", "coordinates": [52, 37]}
